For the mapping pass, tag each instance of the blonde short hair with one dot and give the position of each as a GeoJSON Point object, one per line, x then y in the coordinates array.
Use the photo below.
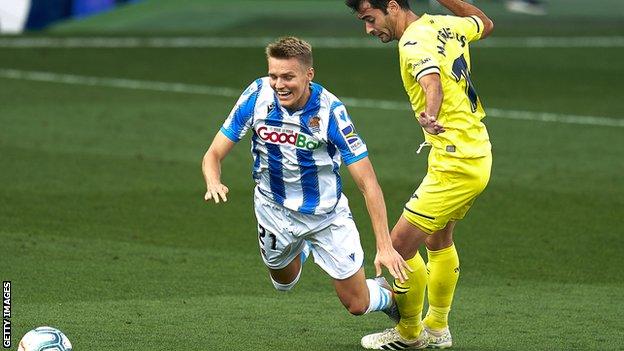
{"type": "Point", "coordinates": [291, 47]}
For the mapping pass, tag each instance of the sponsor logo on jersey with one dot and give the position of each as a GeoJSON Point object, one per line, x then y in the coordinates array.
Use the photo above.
{"type": "Point", "coordinates": [422, 62]}
{"type": "Point", "coordinates": [417, 65]}
{"type": "Point", "coordinates": [283, 136]}
{"type": "Point", "coordinates": [353, 140]}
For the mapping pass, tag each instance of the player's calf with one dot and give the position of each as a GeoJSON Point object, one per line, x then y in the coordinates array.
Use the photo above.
{"type": "Point", "coordinates": [287, 272]}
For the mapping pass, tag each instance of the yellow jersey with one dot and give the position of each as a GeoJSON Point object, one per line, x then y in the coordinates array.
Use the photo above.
{"type": "Point", "coordinates": [439, 44]}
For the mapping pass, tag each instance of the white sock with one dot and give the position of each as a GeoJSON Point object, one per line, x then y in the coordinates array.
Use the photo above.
{"type": "Point", "coordinates": [380, 298]}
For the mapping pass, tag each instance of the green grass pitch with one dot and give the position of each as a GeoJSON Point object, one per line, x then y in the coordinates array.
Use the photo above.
{"type": "Point", "coordinates": [104, 232]}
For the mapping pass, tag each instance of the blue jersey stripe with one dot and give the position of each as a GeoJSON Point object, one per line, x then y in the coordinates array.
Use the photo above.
{"type": "Point", "coordinates": [309, 181]}
{"type": "Point", "coordinates": [331, 150]}
{"type": "Point", "coordinates": [251, 101]}
{"type": "Point", "coordinates": [228, 133]}
{"type": "Point", "coordinates": [334, 105]}
{"type": "Point", "coordinates": [307, 165]}
{"type": "Point", "coordinates": [276, 173]}
{"type": "Point", "coordinates": [243, 114]}
{"type": "Point", "coordinates": [275, 156]}
{"type": "Point", "coordinates": [353, 160]}
{"type": "Point", "coordinates": [256, 156]}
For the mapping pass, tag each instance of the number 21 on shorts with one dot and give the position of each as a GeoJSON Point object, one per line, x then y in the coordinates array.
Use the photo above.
{"type": "Point", "coordinates": [262, 236]}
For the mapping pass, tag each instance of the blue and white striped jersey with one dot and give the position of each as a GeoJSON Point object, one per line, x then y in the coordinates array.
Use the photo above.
{"type": "Point", "coordinates": [296, 155]}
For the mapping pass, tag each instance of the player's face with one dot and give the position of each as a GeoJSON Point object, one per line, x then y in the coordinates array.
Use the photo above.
{"type": "Point", "coordinates": [376, 22]}
{"type": "Point", "coordinates": [290, 79]}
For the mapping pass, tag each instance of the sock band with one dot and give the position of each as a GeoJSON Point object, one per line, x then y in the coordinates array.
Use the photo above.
{"type": "Point", "coordinates": [379, 298]}
{"type": "Point", "coordinates": [286, 287]}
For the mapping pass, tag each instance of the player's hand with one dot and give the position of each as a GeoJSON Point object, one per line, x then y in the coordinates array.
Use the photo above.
{"type": "Point", "coordinates": [216, 192]}
{"type": "Point", "coordinates": [392, 260]}
{"type": "Point", "coordinates": [430, 124]}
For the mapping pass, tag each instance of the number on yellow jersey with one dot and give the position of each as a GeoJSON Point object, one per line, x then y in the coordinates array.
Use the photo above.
{"type": "Point", "coordinates": [460, 70]}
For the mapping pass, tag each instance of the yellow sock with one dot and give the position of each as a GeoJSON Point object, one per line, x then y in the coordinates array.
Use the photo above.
{"type": "Point", "coordinates": [410, 297]}
{"type": "Point", "coordinates": [443, 268]}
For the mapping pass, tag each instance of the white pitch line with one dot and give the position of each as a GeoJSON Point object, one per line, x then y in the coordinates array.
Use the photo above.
{"type": "Point", "coordinates": [118, 83]}
{"type": "Point", "coordinates": [234, 93]}
{"type": "Point", "coordinates": [317, 42]}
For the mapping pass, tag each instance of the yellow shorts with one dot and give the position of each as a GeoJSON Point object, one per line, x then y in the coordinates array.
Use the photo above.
{"type": "Point", "coordinates": [447, 191]}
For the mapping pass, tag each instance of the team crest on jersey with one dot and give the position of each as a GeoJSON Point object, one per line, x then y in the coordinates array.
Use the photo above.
{"type": "Point", "coordinates": [353, 140]}
{"type": "Point", "coordinates": [315, 124]}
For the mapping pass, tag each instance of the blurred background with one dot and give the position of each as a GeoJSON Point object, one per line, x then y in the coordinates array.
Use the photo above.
{"type": "Point", "coordinates": [223, 17]}
{"type": "Point", "coordinates": [107, 107]}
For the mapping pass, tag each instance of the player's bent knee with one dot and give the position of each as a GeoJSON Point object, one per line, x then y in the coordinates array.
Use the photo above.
{"type": "Point", "coordinates": [356, 309]}
{"type": "Point", "coordinates": [355, 305]}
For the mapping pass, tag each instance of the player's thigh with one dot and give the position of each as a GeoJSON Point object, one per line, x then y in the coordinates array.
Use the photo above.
{"type": "Point", "coordinates": [474, 175]}
{"type": "Point", "coordinates": [336, 248]}
{"type": "Point", "coordinates": [407, 238]}
{"type": "Point", "coordinates": [447, 192]}
{"type": "Point", "coordinates": [427, 207]}
{"type": "Point", "coordinates": [442, 238]}
{"type": "Point", "coordinates": [279, 248]}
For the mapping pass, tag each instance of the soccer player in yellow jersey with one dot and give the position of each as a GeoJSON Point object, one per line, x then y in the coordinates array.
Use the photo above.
{"type": "Point", "coordinates": [435, 68]}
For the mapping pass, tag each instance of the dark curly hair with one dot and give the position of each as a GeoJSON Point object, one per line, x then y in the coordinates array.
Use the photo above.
{"type": "Point", "coordinates": [377, 4]}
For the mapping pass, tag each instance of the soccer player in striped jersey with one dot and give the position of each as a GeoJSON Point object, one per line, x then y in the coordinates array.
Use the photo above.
{"type": "Point", "coordinates": [435, 66]}
{"type": "Point", "coordinates": [301, 133]}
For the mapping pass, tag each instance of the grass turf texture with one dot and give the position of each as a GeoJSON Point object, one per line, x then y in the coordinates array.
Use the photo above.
{"type": "Point", "coordinates": [105, 234]}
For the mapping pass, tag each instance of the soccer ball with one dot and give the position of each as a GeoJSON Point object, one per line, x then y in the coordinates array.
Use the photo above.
{"type": "Point", "coordinates": [44, 339]}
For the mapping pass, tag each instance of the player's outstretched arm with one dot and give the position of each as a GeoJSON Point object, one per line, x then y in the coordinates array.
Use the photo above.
{"type": "Point", "coordinates": [366, 180]}
{"type": "Point", "coordinates": [428, 119]}
{"type": "Point", "coordinates": [211, 167]}
{"type": "Point", "coordinates": [464, 9]}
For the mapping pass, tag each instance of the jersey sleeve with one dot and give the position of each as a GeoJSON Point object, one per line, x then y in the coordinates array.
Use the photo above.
{"type": "Point", "coordinates": [471, 27]}
{"type": "Point", "coordinates": [420, 59]}
{"type": "Point", "coordinates": [341, 133]}
{"type": "Point", "coordinates": [239, 121]}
